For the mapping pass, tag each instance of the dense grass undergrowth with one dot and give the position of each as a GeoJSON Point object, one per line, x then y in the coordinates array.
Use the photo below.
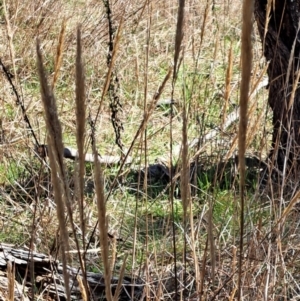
{"type": "Point", "coordinates": [183, 246]}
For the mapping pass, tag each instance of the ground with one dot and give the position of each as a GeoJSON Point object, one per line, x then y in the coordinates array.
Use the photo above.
{"type": "Point", "coordinates": [146, 220]}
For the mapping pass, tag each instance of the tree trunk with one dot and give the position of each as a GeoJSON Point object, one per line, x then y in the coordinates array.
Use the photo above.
{"type": "Point", "coordinates": [281, 46]}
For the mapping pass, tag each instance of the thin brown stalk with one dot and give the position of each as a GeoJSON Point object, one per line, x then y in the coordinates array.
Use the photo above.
{"type": "Point", "coordinates": [246, 59]}
{"type": "Point", "coordinates": [185, 179]}
{"type": "Point", "coordinates": [295, 86]}
{"type": "Point", "coordinates": [146, 90]}
{"type": "Point", "coordinates": [80, 138]}
{"type": "Point", "coordinates": [290, 65]}
{"type": "Point", "coordinates": [205, 16]}
{"type": "Point", "coordinates": [110, 67]}
{"type": "Point", "coordinates": [233, 269]}
{"type": "Point", "coordinates": [202, 273]}
{"type": "Point", "coordinates": [120, 280]}
{"type": "Point", "coordinates": [253, 128]}
{"type": "Point", "coordinates": [59, 52]}
{"type": "Point", "coordinates": [231, 298]}
{"type": "Point", "coordinates": [194, 250]}
{"type": "Point", "coordinates": [10, 36]}
{"type": "Point", "coordinates": [185, 190]}
{"type": "Point", "coordinates": [178, 36]}
{"type": "Point", "coordinates": [145, 135]}
{"type": "Point", "coordinates": [55, 144]}
{"type": "Point", "coordinates": [227, 85]}
{"type": "Point", "coordinates": [289, 208]}
{"type": "Point", "coordinates": [11, 281]}
{"type": "Point", "coordinates": [211, 239]}
{"type": "Point", "coordinates": [178, 47]}
{"type": "Point", "coordinates": [139, 18]}
{"type": "Point", "coordinates": [102, 223]}
{"type": "Point", "coordinates": [159, 292]}
{"type": "Point", "coordinates": [80, 128]}
{"type": "Point", "coordinates": [268, 12]}
{"type": "Point", "coordinates": [113, 253]}
{"type": "Point", "coordinates": [185, 172]}
{"type": "Point", "coordinates": [82, 289]}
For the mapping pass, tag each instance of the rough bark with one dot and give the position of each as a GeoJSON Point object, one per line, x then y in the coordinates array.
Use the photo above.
{"type": "Point", "coordinates": [282, 36]}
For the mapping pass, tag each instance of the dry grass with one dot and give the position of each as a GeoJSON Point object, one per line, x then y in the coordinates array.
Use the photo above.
{"type": "Point", "coordinates": [181, 238]}
{"type": "Point", "coordinates": [246, 59]}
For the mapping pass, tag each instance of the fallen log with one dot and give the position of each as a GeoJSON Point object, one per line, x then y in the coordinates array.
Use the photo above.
{"type": "Point", "coordinates": [48, 277]}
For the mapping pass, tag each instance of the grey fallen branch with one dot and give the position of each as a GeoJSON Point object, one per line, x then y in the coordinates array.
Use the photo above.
{"type": "Point", "coordinates": [72, 153]}
{"type": "Point", "coordinates": [48, 275]}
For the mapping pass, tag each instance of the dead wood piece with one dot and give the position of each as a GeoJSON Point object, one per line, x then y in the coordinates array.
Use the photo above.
{"type": "Point", "coordinates": [19, 291]}
{"type": "Point", "coordinates": [48, 274]}
{"type": "Point", "coordinates": [72, 153]}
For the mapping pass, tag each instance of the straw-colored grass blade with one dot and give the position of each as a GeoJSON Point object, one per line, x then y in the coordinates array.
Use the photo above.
{"type": "Point", "coordinates": [59, 52]}
{"type": "Point", "coordinates": [227, 85]}
{"type": "Point", "coordinates": [11, 281]}
{"type": "Point", "coordinates": [80, 130]}
{"type": "Point", "coordinates": [55, 146]}
{"type": "Point", "coordinates": [102, 223]}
